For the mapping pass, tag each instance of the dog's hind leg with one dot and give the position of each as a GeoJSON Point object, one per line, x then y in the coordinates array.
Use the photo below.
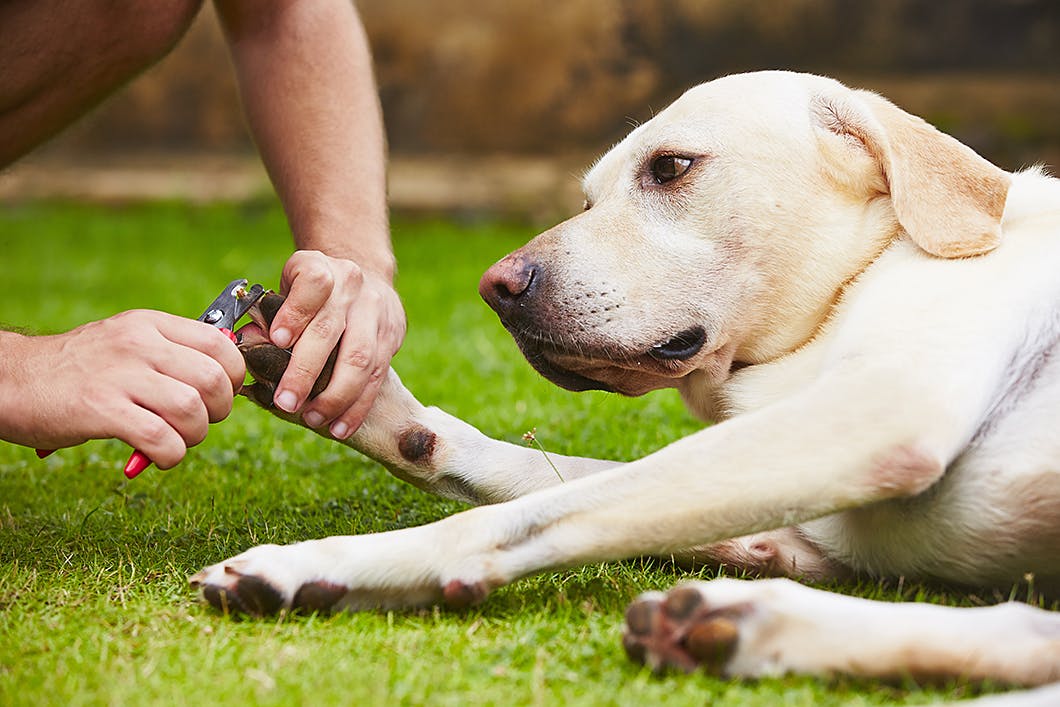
{"type": "Point", "coordinates": [784, 552]}
{"type": "Point", "coordinates": [775, 627]}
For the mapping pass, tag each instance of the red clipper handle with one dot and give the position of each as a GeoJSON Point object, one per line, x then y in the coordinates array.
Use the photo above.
{"type": "Point", "coordinates": [138, 461]}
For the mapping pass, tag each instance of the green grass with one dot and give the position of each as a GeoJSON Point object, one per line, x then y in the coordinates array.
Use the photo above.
{"type": "Point", "coordinates": [94, 605]}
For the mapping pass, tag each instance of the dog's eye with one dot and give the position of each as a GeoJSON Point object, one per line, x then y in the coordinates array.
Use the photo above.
{"type": "Point", "coordinates": [669, 167]}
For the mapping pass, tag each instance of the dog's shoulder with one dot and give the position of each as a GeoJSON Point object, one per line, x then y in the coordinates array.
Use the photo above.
{"type": "Point", "coordinates": [910, 305]}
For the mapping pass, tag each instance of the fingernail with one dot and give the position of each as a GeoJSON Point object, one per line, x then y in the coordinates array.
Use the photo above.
{"type": "Point", "coordinates": [340, 430]}
{"type": "Point", "coordinates": [282, 337]}
{"type": "Point", "coordinates": [286, 401]}
{"type": "Point", "coordinates": [313, 418]}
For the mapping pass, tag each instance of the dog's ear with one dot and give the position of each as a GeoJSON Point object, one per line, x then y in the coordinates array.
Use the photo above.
{"type": "Point", "coordinates": [946, 197]}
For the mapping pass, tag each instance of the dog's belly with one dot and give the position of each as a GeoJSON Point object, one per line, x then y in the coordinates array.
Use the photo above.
{"type": "Point", "coordinates": [991, 520]}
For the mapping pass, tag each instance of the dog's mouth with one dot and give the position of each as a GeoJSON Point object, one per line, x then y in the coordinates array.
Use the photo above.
{"type": "Point", "coordinates": [614, 368]}
{"type": "Point", "coordinates": [681, 347]}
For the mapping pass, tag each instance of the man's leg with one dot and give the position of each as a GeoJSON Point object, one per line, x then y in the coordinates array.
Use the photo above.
{"type": "Point", "coordinates": [59, 58]}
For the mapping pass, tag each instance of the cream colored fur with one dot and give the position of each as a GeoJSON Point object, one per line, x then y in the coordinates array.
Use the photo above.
{"type": "Point", "coordinates": [882, 311]}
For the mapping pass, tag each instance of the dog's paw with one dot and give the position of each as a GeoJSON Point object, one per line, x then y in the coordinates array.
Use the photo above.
{"type": "Point", "coordinates": [681, 629]}
{"type": "Point", "coordinates": [727, 627]}
{"type": "Point", "coordinates": [393, 570]}
{"type": "Point", "coordinates": [265, 580]}
{"type": "Point", "coordinates": [266, 362]}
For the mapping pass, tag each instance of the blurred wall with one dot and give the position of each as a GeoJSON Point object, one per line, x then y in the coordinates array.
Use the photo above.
{"type": "Point", "coordinates": [520, 76]}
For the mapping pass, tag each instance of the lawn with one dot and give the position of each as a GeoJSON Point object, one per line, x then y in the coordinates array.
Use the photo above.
{"type": "Point", "coordinates": [94, 604]}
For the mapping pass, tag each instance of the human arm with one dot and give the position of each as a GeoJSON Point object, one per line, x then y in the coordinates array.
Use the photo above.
{"type": "Point", "coordinates": [306, 80]}
{"type": "Point", "coordinates": [151, 379]}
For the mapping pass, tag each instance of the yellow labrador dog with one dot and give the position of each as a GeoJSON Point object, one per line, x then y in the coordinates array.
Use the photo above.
{"type": "Point", "coordinates": [871, 313]}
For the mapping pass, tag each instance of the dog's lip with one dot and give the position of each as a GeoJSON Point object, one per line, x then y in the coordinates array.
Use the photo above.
{"type": "Point", "coordinates": [579, 367]}
{"type": "Point", "coordinates": [667, 357]}
{"type": "Point", "coordinates": [681, 346]}
{"type": "Point", "coordinates": [564, 377]}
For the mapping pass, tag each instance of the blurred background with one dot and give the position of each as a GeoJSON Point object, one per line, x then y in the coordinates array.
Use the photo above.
{"type": "Point", "coordinates": [498, 105]}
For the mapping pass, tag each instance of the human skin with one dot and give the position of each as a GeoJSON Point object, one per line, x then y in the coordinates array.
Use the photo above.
{"type": "Point", "coordinates": [305, 76]}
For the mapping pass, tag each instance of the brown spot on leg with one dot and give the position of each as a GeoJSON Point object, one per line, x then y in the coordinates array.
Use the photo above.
{"type": "Point", "coordinates": [460, 595]}
{"type": "Point", "coordinates": [318, 596]}
{"type": "Point", "coordinates": [416, 444]}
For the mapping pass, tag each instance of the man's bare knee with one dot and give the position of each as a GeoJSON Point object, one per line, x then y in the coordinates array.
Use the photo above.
{"type": "Point", "coordinates": [144, 38]}
{"type": "Point", "coordinates": [61, 58]}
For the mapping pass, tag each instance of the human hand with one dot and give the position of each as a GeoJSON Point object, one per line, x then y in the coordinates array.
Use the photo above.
{"type": "Point", "coordinates": [334, 301]}
{"type": "Point", "coordinates": [151, 379]}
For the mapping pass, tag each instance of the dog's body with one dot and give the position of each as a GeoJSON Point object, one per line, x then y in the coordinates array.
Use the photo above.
{"type": "Point", "coordinates": [870, 311]}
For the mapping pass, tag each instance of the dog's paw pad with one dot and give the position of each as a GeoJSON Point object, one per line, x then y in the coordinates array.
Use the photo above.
{"type": "Point", "coordinates": [459, 594]}
{"type": "Point", "coordinates": [265, 362]}
{"type": "Point", "coordinates": [681, 630]}
{"type": "Point", "coordinates": [318, 596]}
{"type": "Point", "coordinates": [245, 595]}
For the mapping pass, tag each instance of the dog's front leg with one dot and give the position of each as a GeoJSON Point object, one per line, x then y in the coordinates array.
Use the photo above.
{"type": "Point", "coordinates": [426, 446]}
{"type": "Point", "coordinates": [422, 445]}
{"type": "Point", "coordinates": [440, 453]}
{"type": "Point", "coordinates": [835, 445]}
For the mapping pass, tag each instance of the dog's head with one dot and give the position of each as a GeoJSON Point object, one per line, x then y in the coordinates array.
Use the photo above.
{"type": "Point", "coordinates": [723, 231]}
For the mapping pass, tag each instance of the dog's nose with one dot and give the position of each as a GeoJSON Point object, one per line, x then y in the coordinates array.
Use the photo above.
{"type": "Point", "coordinates": [508, 283]}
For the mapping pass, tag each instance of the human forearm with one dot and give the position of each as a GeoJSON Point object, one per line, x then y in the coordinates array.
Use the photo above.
{"type": "Point", "coordinates": [306, 79]}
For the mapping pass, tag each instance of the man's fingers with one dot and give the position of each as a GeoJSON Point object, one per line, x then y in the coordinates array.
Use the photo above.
{"type": "Point", "coordinates": [332, 301]}
{"type": "Point", "coordinates": [178, 404]}
{"type": "Point", "coordinates": [204, 375]}
{"type": "Point", "coordinates": [348, 422]}
{"type": "Point", "coordinates": [206, 340]}
{"type": "Point", "coordinates": [308, 359]}
{"type": "Point", "coordinates": [356, 361]}
{"type": "Point", "coordinates": [204, 359]}
{"type": "Point", "coordinates": [142, 429]}
{"type": "Point", "coordinates": [309, 282]}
